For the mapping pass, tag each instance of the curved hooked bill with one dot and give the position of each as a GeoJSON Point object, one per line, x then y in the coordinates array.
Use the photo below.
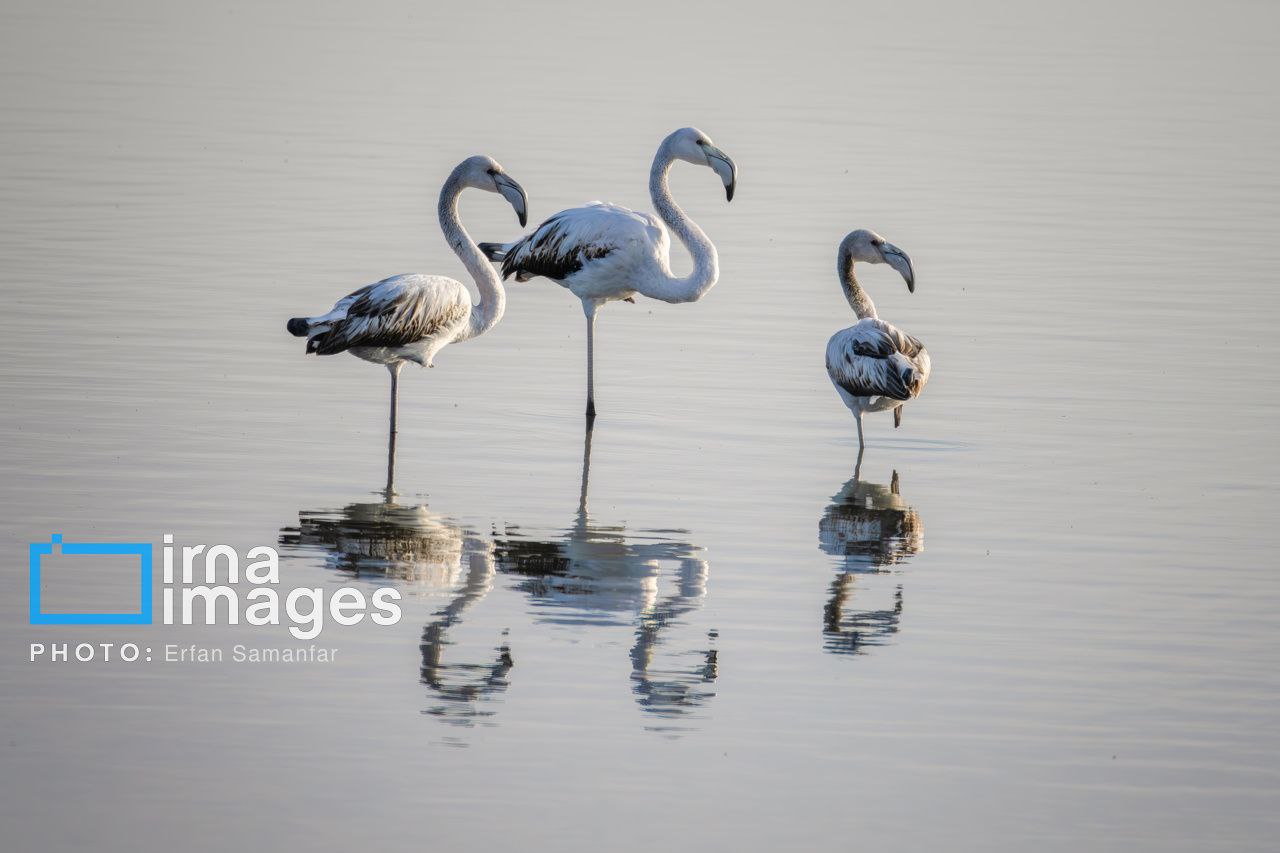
{"type": "Point", "coordinates": [723, 166]}
{"type": "Point", "coordinates": [514, 193]}
{"type": "Point", "coordinates": [896, 258]}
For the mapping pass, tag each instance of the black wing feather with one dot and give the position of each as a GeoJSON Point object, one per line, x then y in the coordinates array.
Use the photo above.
{"type": "Point", "coordinates": [545, 253]}
{"type": "Point", "coordinates": [378, 319]}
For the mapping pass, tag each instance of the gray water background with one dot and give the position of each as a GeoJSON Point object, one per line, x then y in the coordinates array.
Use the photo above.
{"type": "Point", "coordinates": [1080, 652]}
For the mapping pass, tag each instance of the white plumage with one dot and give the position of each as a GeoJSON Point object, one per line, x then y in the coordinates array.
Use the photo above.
{"type": "Point", "coordinates": [603, 252]}
{"type": "Point", "coordinates": [409, 318]}
{"type": "Point", "coordinates": [402, 318]}
{"type": "Point", "coordinates": [874, 359]}
{"type": "Point", "coordinates": [874, 365]}
{"type": "Point", "coordinates": [599, 251]}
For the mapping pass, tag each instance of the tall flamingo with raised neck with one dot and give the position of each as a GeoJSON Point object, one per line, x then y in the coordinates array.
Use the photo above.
{"type": "Point", "coordinates": [604, 252]}
{"type": "Point", "coordinates": [410, 318]}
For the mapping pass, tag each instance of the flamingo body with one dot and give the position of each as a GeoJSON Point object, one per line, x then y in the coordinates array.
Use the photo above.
{"type": "Point", "coordinates": [402, 318]}
{"type": "Point", "coordinates": [598, 251]}
{"type": "Point", "coordinates": [876, 366]}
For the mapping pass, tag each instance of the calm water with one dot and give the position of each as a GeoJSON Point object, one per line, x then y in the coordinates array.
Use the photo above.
{"type": "Point", "coordinates": [1044, 616]}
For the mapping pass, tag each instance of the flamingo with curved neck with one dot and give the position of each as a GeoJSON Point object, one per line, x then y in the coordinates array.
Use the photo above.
{"type": "Point", "coordinates": [604, 252]}
{"type": "Point", "coordinates": [410, 318]}
{"type": "Point", "coordinates": [873, 365]}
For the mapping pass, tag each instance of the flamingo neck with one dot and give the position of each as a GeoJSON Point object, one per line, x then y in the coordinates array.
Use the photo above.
{"type": "Point", "coordinates": [493, 299]}
{"type": "Point", "coordinates": [859, 301]}
{"type": "Point", "coordinates": [706, 263]}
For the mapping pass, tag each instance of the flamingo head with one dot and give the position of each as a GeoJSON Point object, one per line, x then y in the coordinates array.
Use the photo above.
{"type": "Point", "coordinates": [694, 146]}
{"type": "Point", "coordinates": [485, 173]}
{"type": "Point", "coordinates": [870, 248]}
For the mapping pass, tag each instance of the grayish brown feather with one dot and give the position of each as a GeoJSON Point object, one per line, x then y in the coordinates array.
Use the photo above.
{"type": "Point", "coordinates": [393, 312]}
{"type": "Point", "coordinates": [874, 359]}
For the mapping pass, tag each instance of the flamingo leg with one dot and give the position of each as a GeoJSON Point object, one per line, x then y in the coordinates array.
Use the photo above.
{"type": "Point", "coordinates": [586, 473]}
{"type": "Point", "coordinates": [394, 370]}
{"type": "Point", "coordinates": [590, 311]}
{"type": "Point", "coordinates": [861, 444]}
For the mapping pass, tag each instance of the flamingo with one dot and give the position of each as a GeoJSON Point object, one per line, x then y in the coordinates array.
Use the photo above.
{"type": "Point", "coordinates": [603, 252]}
{"type": "Point", "coordinates": [412, 317]}
{"type": "Point", "coordinates": [874, 365]}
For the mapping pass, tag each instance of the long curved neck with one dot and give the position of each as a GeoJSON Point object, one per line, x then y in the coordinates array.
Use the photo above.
{"type": "Point", "coordinates": [858, 298]}
{"type": "Point", "coordinates": [493, 299]}
{"type": "Point", "coordinates": [706, 264]}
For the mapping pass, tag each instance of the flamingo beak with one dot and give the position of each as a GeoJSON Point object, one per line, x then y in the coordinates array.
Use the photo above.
{"type": "Point", "coordinates": [513, 193]}
{"type": "Point", "coordinates": [723, 166]}
{"type": "Point", "coordinates": [896, 258]}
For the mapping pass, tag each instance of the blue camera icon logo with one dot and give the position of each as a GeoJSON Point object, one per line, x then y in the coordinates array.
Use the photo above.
{"type": "Point", "coordinates": [55, 546]}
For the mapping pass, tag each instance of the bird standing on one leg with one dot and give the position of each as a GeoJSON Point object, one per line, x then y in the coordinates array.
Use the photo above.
{"type": "Point", "coordinates": [873, 365]}
{"type": "Point", "coordinates": [412, 317]}
{"type": "Point", "coordinates": [603, 252]}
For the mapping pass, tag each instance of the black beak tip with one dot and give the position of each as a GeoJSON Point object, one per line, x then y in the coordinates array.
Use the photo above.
{"type": "Point", "coordinates": [523, 217]}
{"type": "Point", "coordinates": [728, 191]}
{"type": "Point", "coordinates": [911, 286]}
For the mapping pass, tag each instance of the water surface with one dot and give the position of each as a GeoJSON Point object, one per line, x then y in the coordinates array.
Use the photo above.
{"type": "Point", "coordinates": [719, 639]}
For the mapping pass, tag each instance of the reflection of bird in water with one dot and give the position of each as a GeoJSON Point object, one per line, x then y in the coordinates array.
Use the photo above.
{"type": "Point", "coordinates": [405, 543]}
{"type": "Point", "coordinates": [870, 526]}
{"type": "Point", "coordinates": [461, 684]}
{"type": "Point", "coordinates": [871, 529]}
{"type": "Point", "coordinates": [596, 574]}
{"type": "Point", "coordinates": [413, 545]}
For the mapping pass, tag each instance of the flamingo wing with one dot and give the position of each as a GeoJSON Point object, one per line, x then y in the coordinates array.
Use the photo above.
{"type": "Point", "coordinates": [874, 359]}
{"type": "Point", "coordinates": [393, 312]}
{"type": "Point", "coordinates": [571, 239]}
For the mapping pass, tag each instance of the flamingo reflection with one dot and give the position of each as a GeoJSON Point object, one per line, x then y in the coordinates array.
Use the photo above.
{"type": "Point", "coordinates": [418, 548]}
{"type": "Point", "coordinates": [601, 574]}
{"type": "Point", "coordinates": [870, 529]}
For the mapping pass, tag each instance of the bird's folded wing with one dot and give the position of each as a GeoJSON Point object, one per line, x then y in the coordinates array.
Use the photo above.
{"type": "Point", "coordinates": [395, 312]}
{"type": "Point", "coordinates": [872, 358]}
{"type": "Point", "coordinates": [874, 337]}
{"type": "Point", "coordinates": [559, 247]}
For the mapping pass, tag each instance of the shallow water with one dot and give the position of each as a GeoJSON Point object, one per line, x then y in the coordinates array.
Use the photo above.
{"type": "Point", "coordinates": [1043, 617]}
